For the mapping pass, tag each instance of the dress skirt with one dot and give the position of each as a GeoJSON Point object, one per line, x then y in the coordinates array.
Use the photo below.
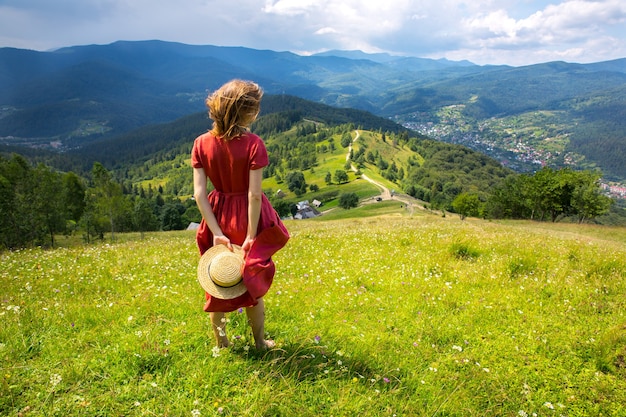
{"type": "Point", "coordinates": [231, 212]}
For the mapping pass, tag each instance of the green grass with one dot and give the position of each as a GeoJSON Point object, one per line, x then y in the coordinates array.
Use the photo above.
{"type": "Point", "coordinates": [331, 162]}
{"type": "Point", "coordinates": [383, 208]}
{"type": "Point", "coordinates": [373, 316]}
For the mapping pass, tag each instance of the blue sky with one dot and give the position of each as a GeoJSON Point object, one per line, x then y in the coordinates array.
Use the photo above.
{"type": "Point", "coordinates": [484, 32]}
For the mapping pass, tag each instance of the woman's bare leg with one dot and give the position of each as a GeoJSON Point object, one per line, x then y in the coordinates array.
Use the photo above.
{"type": "Point", "coordinates": [256, 319]}
{"type": "Point", "coordinates": [218, 322]}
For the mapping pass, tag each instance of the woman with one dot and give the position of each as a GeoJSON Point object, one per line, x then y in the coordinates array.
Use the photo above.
{"type": "Point", "coordinates": [236, 211]}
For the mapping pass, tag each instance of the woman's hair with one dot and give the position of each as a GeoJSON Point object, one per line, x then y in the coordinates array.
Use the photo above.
{"type": "Point", "coordinates": [233, 107]}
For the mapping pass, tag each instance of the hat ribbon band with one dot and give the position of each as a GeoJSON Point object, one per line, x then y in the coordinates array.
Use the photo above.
{"type": "Point", "coordinates": [226, 286]}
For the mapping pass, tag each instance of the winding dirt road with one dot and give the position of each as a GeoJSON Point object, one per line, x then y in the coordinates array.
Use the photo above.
{"type": "Point", "coordinates": [411, 203]}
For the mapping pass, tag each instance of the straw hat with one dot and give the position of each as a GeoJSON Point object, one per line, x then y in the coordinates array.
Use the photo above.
{"type": "Point", "coordinates": [220, 272]}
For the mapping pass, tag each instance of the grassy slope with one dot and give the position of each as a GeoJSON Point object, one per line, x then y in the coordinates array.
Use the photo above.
{"type": "Point", "coordinates": [386, 315]}
{"type": "Point", "coordinates": [333, 161]}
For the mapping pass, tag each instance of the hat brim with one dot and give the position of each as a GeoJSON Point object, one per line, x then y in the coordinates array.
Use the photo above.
{"type": "Point", "coordinates": [205, 279]}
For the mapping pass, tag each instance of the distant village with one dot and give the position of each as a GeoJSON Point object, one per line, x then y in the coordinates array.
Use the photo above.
{"type": "Point", "coordinates": [524, 153]}
{"type": "Point", "coordinates": [614, 190]}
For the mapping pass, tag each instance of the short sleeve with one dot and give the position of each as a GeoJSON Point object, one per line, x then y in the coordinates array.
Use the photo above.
{"type": "Point", "coordinates": [258, 155]}
{"type": "Point", "coordinates": [196, 160]}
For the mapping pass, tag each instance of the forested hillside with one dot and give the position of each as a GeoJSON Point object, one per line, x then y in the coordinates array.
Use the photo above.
{"type": "Point", "coordinates": [70, 98]}
{"type": "Point", "coordinates": [142, 181]}
{"type": "Point", "coordinates": [502, 112]}
{"type": "Point", "coordinates": [600, 130]}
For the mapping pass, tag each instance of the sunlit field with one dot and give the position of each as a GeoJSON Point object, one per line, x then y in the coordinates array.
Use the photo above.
{"type": "Point", "coordinates": [375, 316]}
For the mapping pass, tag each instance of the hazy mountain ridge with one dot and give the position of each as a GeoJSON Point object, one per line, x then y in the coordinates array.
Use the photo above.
{"type": "Point", "coordinates": [82, 94]}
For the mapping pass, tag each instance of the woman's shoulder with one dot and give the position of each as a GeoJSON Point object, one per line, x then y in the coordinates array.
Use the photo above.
{"type": "Point", "coordinates": [253, 139]}
{"type": "Point", "coordinates": [252, 136]}
{"type": "Point", "coordinates": [204, 139]}
{"type": "Point", "coordinates": [204, 136]}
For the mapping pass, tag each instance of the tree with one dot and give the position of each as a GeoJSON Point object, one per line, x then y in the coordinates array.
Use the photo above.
{"type": "Point", "coordinates": [346, 140]}
{"type": "Point", "coordinates": [282, 207]}
{"type": "Point", "coordinates": [171, 218]}
{"type": "Point", "coordinates": [340, 176]}
{"type": "Point", "coordinates": [31, 205]}
{"type": "Point", "coordinates": [545, 194]}
{"type": "Point", "coordinates": [509, 199]}
{"type": "Point", "coordinates": [348, 200]}
{"type": "Point", "coordinates": [6, 212]}
{"type": "Point", "coordinates": [143, 216]}
{"type": "Point", "coordinates": [296, 183]}
{"type": "Point", "coordinates": [587, 199]}
{"type": "Point", "coordinates": [17, 187]}
{"type": "Point", "coordinates": [108, 198]}
{"type": "Point", "coordinates": [92, 222]}
{"type": "Point", "coordinates": [549, 193]}
{"type": "Point", "coordinates": [328, 178]}
{"type": "Point", "coordinates": [381, 164]}
{"type": "Point", "coordinates": [192, 214]}
{"type": "Point", "coordinates": [466, 204]}
{"type": "Point", "coordinates": [47, 205]}
{"type": "Point", "coordinates": [73, 195]}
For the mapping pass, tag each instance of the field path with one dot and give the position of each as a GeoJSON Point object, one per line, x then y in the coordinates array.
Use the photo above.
{"type": "Point", "coordinates": [386, 194]}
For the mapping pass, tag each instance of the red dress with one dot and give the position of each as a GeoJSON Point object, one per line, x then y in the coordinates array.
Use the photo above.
{"type": "Point", "coordinates": [227, 164]}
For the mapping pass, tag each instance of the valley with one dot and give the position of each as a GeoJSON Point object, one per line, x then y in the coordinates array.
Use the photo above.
{"type": "Point", "coordinates": [135, 107]}
{"type": "Point", "coordinates": [557, 114]}
{"type": "Point", "coordinates": [523, 142]}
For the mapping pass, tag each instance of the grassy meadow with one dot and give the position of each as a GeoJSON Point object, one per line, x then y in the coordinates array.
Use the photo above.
{"type": "Point", "coordinates": [386, 315]}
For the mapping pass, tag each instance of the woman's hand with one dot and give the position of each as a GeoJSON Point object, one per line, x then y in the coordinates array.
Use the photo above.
{"type": "Point", "coordinates": [222, 240]}
{"type": "Point", "coordinates": [247, 244]}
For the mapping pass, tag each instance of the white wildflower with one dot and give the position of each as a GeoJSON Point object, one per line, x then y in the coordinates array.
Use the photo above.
{"type": "Point", "coordinates": [15, 309]}
{"type": "Point", "coordinates": [216, 351]}
{"type": "Point", "coordinates": [55, 379]}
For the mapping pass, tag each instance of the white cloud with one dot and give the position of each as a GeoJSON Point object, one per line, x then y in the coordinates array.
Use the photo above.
{"type": "Point", "coordinates": [556, 25]}
{"type": "Point", "coordinates": [325, 31]}
{"type": "Point", "coordinates": [491, 31]}
{"type": "Point", "coordinates": [345, 24]}
{"type": "Point", "coordinates": [289, 7]}
{"type": "Point", "coordinates": [574, 30]}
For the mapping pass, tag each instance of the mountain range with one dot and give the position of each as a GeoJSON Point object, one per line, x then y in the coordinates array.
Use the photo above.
{"type": "Point", "coordinates": [558, 113]}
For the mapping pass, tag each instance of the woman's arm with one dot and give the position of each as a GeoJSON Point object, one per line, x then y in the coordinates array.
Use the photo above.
{"type": "Point", "coordinates": [255, 194]}
{"type": "Point", "coordinates": [199, 193]}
